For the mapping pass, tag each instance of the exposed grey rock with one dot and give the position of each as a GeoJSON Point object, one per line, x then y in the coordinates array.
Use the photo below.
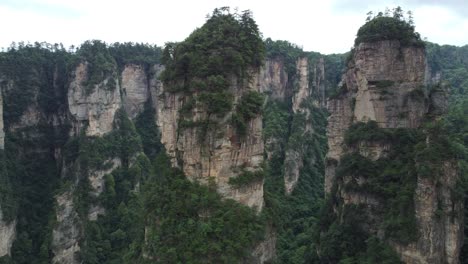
{"type": "Point", "coordinates": [67, 232]}
{"type": "Point", "coordinates": [273, 79]}
{"type": "Point", "coordinates": [97, 182]}
{"type": "Point", "coordinates": [2, 132]}
{"type": "Point", "coordinates": [94, 107]}
{"type": "Point", "coordinates": [135, 89]}
{"type": "Point", "coordinates": [216, 157]}
{"type": "Point", "coordinates": [7, 234]}
{"type": "Point", "coordinates": [266, 250]}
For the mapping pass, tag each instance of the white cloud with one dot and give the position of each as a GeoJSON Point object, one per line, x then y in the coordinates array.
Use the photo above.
{"type": "Point", "coordinates": [321, 26]}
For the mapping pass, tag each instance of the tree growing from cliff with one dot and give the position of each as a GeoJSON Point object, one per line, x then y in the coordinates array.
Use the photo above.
{"type": "Point", "coordinates": [227, 44]}
{"type": "Point", "coordinates": [389, 26]}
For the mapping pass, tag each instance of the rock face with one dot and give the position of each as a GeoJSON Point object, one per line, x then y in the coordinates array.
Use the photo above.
{"type": "Point", "coordinates": [7, 235]}
{"type": "Point", "coordinates": [294, 156]}
{"type": "Point", "coordinates": [441, 238]}
{"type": "Point", "coordinates": [385, 82]}
{"type": "Point", "coordinates": [67, 233]}
{"type": "Point", "coordinates": [318, 82]}
{"type": "Point", "coordinates": [303, 88]}
{"type": "Point", "coordinates": [2, 132]}
{"type": "Point", "coordinates": [93, 107]}
{"type": "Point", "coordinates": [135, 89]}
{"type": "Point", "coordinates": [303, 91]}
{"type": "Point", "coordinates": [86, 109]}
{"type": "Point", "coordinates": [217, 155]}
{"type": "Point", "coordinates": [389, 82]}
{"type": "Point", "coordinates": [221, 153]}
{"type": "Point", "coordinates": [94, 110]}
{"type": "Point", "coordinates": [266, 250]}
{"type": "Point", "coordinates": [97, 182]}
{"type": "Point", "coordinates": [273, 79]}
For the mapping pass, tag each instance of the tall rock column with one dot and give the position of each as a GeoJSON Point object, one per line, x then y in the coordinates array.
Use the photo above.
{"type": "Point", "coordinates": [2, 132]}
{"type": "Point", "coordinates": [318, 81]}
{"type": "Point", "coordinates": [7, 230]}
{"type": "Point", "coordinates": [294, 154]}
{"type": "Point", "coordinates": [7, 235]}
{"type": "Point", "coordinates": [377, 119]}
{"type": "Point", "coordinates": [214, 155]}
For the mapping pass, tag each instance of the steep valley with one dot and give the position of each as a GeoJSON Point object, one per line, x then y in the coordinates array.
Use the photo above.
{"type": "Point", "coordinates": [230, 148]}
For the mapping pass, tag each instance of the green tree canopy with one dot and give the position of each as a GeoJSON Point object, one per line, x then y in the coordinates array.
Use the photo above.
{"type": "Point", "coordinates": [228, 43]}
{"type": "Point", "coordinates": [389, 26]}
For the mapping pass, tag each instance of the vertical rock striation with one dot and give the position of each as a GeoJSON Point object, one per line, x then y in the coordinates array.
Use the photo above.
{"type": "Point", "coordinates": [67, 232]}
{"type": "Point", "coordinates": [318, 82]}
{"type": "Point", "coordinates": [135, 90]}
{"type": "Point", "coordinates": [7, 235]}
{"type": "Point", "coordinates": [273, 79]}
{"type": "Point", "coordinates": [93, 110]}
{"type": "Point", "coordinates": [294, 154]}
{"type": "Point", "coordinates": [214, 155]}
{"type": "Point", "coordinates": [2, 132]}
{"type": "Point", "coordinates": [385, 83]}
{"type": "Point", "coordinates": [7, 230]}
{"type": "Point", "coordinates": [92, 106]}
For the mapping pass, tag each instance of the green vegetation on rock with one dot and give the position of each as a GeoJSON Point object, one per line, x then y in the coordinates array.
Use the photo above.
{"type": "Point", "coordinates": [286, 51]}
{"type": "Point", "coordinates": [27, 72]}
{"type": "Point", "coordinates": [245, 178]}
{"type": "Point", "coordinates": [227, 44]}
{"type": "Point", "coordinates": [294, 216]}
{"type": "Point", "coordinates": [389, 27]}
{"type": "Point", "coordinates": [391, 180]}
{"type": "Point", "coordinates": [368, 131]}
{"type": "Point", "coordinates": [190, 223]}
{"type": "Point", "coordinates": [249, 106]}
{"type": "Point", "coordinates": [203, 66]}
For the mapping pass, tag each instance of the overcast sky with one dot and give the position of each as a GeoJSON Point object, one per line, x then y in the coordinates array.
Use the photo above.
{"type": "Point", "coordinates": [323, 26]}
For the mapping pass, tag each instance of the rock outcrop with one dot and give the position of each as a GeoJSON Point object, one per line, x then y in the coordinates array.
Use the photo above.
{"type": "Point", "coordinates": [93, 107]}
{"type": "Point", "coordinates": [294, 156]}
{"type": "Point", "coordinates": [385, 83]}
{"type": "Point", "coordinates": [7, 235]}
{"type": "Point", "coordinates": [318, 82]}
{"type": "Point", "coordinates": [94, 110]}
{"type": "Point", "coordinates": [273, 79]}
{"type": "Point", "coordinates": [390, 82]}
{"type": "Point", "coordinates": [97, 182]}
{"type": "Point", "coordinates": [440, 221]}
{"type": "Point", "coordinates": [135, 89]}
{"type": "Point", "coordinates": [2, 132]}
{"type": "Point", "coordinates": [67, 232]}
{"type": "Point", "coordinates": [266, 250]}
{"type": "Point", "coordinates": [303, 91]}
{"type": "Point", "coordinates": [214, 155]}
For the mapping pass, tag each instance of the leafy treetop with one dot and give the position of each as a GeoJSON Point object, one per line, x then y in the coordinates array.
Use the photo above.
{"type": "Point", "coordinates": [228, 43]}
{"type": "Point", "coordinates": [391, 25]}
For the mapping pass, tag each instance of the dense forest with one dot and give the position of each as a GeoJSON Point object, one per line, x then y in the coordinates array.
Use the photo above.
{"type": "Point", "coordinates": [153, 212]}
